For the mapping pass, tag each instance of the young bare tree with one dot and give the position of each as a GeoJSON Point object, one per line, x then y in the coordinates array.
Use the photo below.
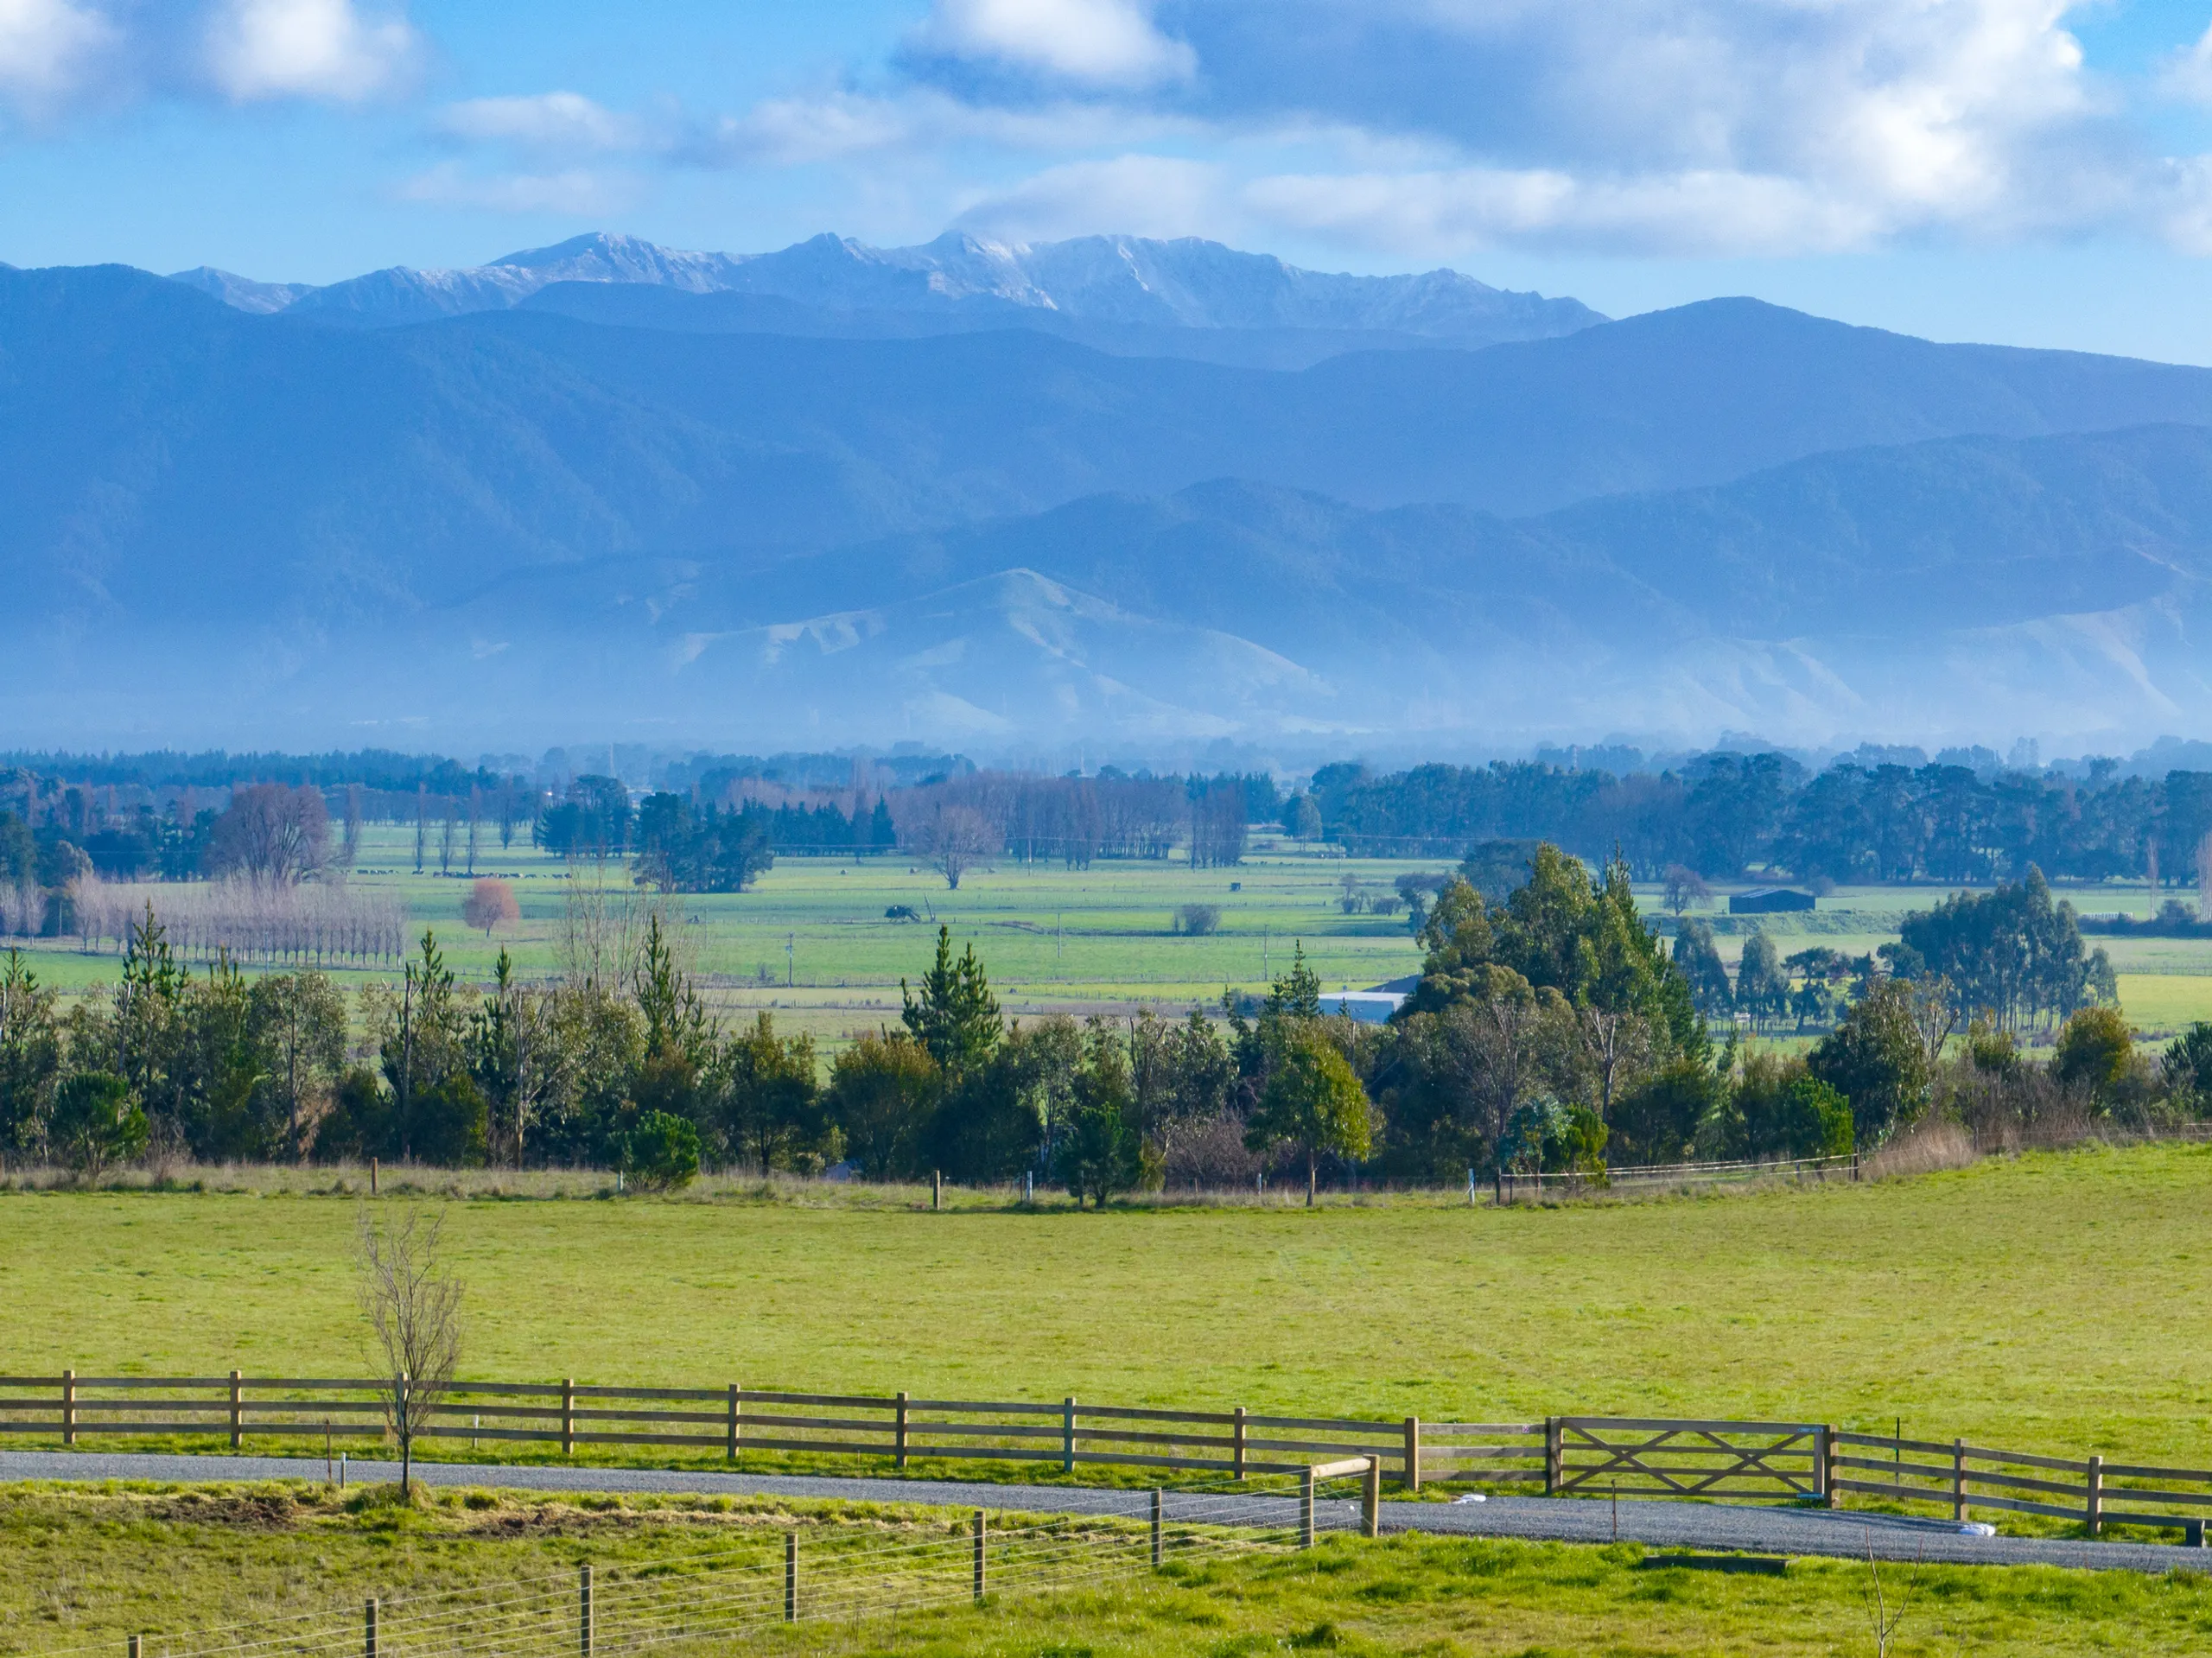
{"type": "Point", "coordinates": [1881, 1615]}
{"type": "Point", "coordinates": [413, 1308]}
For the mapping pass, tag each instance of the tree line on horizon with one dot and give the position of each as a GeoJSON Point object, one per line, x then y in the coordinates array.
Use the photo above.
{"type": "Point", "coordinates": [1723, 814]}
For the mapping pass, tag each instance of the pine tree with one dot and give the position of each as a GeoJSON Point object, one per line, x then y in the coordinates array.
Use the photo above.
{"type": "Point", "coordinates": [955, 1018]}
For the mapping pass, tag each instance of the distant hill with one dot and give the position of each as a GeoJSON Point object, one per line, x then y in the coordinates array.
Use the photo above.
{"type": "Point", "coordinates": [236, 525]}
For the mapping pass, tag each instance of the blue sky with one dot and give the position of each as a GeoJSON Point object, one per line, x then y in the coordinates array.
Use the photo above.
{"type": "Point", "coordinates": [2026, 171]}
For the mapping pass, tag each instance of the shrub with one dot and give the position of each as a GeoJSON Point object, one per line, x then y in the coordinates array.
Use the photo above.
{"type": "Point", "coordinates": [2094, 1050]}
{"type": "Point", "coordinates": [1196, 919]}
{"type": "Point", "coordinates": [661, 1153]}
{"type": "Point", "coordinates": [1874, 1059]}
{"type": "Point", "coordinates": [96, 1121]}
{"type": "Point", "coordinates": [883, 1091]}
{"type": "Point", "coordinates": [1816, 1120]}
{"type": "Point", "coordinates": [1555, 1139]}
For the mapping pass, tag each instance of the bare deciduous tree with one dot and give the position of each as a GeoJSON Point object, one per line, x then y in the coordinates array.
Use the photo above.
{"type": "Point", "coordinates": [600, 925]}
{"type": "Point", "coordinates": [413, 1308]}
{"type": "Point", "coordinates": [270, 835]}
{"type": "Point", "coordinates": [350, 849]}
{"type": "Point", "coordinates": [491, 903]}
{"type": "Point", "coordinates": [1934, 1004]}
{"type": "Point", "coordinates": [1686, 887]}
{"type": "Point", "coordinates": [955, 841]}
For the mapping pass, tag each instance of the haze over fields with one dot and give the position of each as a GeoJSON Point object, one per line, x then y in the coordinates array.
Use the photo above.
{"type": "Point", "coordinates": [1004, 494]}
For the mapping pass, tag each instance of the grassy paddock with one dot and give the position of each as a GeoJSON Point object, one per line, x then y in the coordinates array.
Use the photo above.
{"type": "Point", "coordinates": [249, 1554]}
{"type": "Point", "coordinates": [811, 943]}
{"type": "Point", "coordinates": [2051, 1302]}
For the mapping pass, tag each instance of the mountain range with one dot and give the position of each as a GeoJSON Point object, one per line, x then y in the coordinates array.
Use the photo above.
{"type": "Point", "coordinates": [841, 495]}
{"type": "Point", "coordinates": [1125, 294]}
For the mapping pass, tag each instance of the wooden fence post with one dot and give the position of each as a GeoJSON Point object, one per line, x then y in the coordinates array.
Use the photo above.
{"type": "Point", "coordinates": [584, 1609]}
{"type": "Point", "coordinates": [1159, 1504]}
{"type": "Point", "coordinates": [1306, 1508]}
{"type": "Point", "coordinates": [138, 1646]}
{"type": "Point", "coordinates": [369, 1631]}
{"type": "Point", "coordinates": [1831, 1451]}
{"type": "Point", "coordinates": [1553, 1456]}
{"type": "Point", "coordinates": [1236, 1449]}
{"type": "Point", "coordinates": [238, 1410]}
{"type": "Point", "coordinates": [981, 1534]}
{"type": "Point", "coordinates": [1820, 1466]}
{"type": "Point", "coordinates": [568, 1416]}
{"type": "Point", "coordinates": [1413, 1453]}
{"type": "Point", "coordinates": [733, 1421]}
{"type": "Point", "coordinates": [936, 1188]}
{"type": "Point", "coordinates": [1370, 1499]}
{"type": "Point", "coordinates": [1067, 1436]}
{"type": "Point", "coordinates": [790, 1577]}
{"type": "Point", "coordinates": [901, 1432]}
{"type": "Point", "coordinates": [2096, 1509]}
{"type": "Point", "coordinates": [1958, 1481]}
{"type": "Point", "coordinates": [68, 1408]}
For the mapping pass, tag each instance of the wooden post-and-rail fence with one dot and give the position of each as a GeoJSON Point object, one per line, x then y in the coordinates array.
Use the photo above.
{"type": "Point", "coordinates": [731, 1420]}
{"type": "Point", "coordinates": [1563, 1456]}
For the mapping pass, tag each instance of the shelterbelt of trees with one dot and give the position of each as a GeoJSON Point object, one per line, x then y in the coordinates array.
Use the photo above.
{"type": "Point", "coordinates": [1550, 1030]}
{"type": "Point", "coordinates": [1721, 814]}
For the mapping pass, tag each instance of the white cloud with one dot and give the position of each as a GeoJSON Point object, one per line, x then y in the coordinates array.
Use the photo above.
{"type": "Point", "coordinates": [841, 123]}
{"type": "Point", "coordinates": [1772, 126]}
{"type": "Point", "coordinates": [1440, 213]}
{"type": "Point", "coordinates": [580, 192]}
{"type": "Point", "coordinates": [2189, 71]}
{"type": "Point", "coordinates": [1139, 195]}
{"type": "Point", "coordinates": [307, 48]}
{"type": "Point", "coordinates": [1098, 42]}
{"type": "Point", "coordinates": [549, 121]}
{"type": "Point", "coordinates": [47, 48]}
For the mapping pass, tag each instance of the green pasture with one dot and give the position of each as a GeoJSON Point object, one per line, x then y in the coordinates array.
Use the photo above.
{"type": "Point", "coordinates": [2054, 1302]}
{"type": "Point", "coordinates": [811, 941]}
{"type": "Point", "coordinates": [245, 1556]}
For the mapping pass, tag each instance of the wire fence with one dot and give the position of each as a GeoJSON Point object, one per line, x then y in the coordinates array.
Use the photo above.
{"type": "Point", "coordinates": [819, 1574]}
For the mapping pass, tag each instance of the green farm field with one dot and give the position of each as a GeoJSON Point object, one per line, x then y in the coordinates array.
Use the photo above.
{"type": "Point", "coordinates": [249, 1555]}
{"type": "Point", "coordinates": [811, 941]}
{"type": "Point", "coordinates": [2054, 1302]}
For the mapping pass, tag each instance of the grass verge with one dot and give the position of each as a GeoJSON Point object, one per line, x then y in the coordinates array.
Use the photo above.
{"type": "Point", "coordinates": [98, 1564]}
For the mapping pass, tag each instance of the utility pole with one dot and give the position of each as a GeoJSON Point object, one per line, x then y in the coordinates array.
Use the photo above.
{"type": "Point", "coordinates": [790, 960]}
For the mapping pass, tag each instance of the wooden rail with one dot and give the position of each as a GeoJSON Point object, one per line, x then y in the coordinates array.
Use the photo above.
{"type": "Point", "coordinates": [1965, 1477]}
{"type": "Point", "coordinates": [732, 1420]}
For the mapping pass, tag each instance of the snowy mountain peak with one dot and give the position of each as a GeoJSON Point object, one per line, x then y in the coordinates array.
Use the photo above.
{"type": "Point", "coordinates": [1188, 283]}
